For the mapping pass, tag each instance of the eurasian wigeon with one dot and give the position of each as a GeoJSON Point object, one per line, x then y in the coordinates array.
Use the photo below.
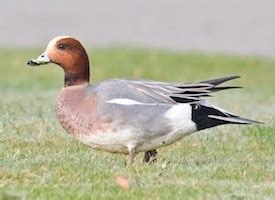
{"type": "Point", "coordinates": [129, 116]}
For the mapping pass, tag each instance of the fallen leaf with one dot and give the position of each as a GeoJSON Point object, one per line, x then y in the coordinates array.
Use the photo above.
{"type": "Point", "coordinates": [122, 182]}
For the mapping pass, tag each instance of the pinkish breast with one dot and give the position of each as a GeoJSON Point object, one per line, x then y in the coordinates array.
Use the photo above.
{"type": "Point", "coordinates": [77, 112]}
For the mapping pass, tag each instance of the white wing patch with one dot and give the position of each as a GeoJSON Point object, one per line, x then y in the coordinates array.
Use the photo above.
{"type": "Point", "coordinates": [122, 101]}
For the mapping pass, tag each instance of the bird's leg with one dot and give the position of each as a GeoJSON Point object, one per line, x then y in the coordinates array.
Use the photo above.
{"type": "Point", "coordinates": [150, 156]}
{"type": "Point", "coordinates": [130, 157]}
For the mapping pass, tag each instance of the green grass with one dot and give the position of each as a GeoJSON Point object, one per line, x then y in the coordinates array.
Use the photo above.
{"type": "Point", "coordinates": [38, 160]}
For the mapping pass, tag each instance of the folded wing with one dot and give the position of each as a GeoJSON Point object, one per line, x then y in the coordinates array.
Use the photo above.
{"type": "Point", "coordinates": [161, 92]}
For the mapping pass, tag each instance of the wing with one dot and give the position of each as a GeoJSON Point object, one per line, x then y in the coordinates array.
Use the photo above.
{"type": "Point", "coordinates": [143, 105]}
{"type": "Point", "coordinates": [160, 92]}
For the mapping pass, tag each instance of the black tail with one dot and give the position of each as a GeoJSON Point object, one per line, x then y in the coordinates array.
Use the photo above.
{"type": "Point", "coordinates": [206, 116]}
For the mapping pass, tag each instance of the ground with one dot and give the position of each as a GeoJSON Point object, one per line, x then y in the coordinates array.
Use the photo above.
{"type": "Point", "coordinates": [39, 160]}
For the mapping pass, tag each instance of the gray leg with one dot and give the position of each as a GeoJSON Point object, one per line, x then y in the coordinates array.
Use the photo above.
{"type": "Point", "coordinates": [130, 157]}
{"type": "Point", "coordinates": [150, 156]}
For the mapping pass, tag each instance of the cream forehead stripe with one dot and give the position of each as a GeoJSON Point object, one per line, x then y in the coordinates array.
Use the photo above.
{"type": "Point", "coordinates": [53, 42]}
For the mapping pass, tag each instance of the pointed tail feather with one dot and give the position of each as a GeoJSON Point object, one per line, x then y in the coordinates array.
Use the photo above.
{"type": "Point", "coordinates": [234, 119]}
{"type": "Point", "coordinates": [206, 115]}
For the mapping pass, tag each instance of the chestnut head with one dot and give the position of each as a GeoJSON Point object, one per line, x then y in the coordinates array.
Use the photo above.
{"type": "Point", "coordinates": [68, 53]}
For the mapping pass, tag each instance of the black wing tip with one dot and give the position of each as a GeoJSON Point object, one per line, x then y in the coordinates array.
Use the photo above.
{"type": "Point", "coordinates": [228, 78]}
{"type": "Point", "coordinates": [219, 81]}
{"type": "Point", "coordinates": [216, 89]}
{"type": "Point", "coordinates": [234, 76]}
{"type": "Point", "coordinates": [185, 99]}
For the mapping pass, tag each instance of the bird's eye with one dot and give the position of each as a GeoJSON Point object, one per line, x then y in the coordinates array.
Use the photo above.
{"type": "Point", "coordinates": [61, 46]}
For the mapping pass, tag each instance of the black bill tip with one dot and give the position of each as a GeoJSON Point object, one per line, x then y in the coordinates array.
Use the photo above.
{"type": "Point", "coordinates": [32, 63]}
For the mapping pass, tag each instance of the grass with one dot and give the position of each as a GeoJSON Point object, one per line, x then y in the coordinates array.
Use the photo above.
{"type": "Point", "coordinates": [38, 160]}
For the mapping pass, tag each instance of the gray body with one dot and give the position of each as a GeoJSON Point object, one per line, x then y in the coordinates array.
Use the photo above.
{"type": "Point", "coordinates": [139, 115]}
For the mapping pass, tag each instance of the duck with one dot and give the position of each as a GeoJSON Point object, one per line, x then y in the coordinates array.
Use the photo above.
{"type": "Point", "coordinates": [130, 116]}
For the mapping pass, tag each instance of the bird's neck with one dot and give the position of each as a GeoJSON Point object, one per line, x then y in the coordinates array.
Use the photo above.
{"type": "Point", "coordinates": [72, 79]}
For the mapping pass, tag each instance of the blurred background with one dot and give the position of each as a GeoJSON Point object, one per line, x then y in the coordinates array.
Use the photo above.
{"type": "Point", "coordinates": [164, 40]}
{"type": "Point", "coordinates": [239, 27]}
